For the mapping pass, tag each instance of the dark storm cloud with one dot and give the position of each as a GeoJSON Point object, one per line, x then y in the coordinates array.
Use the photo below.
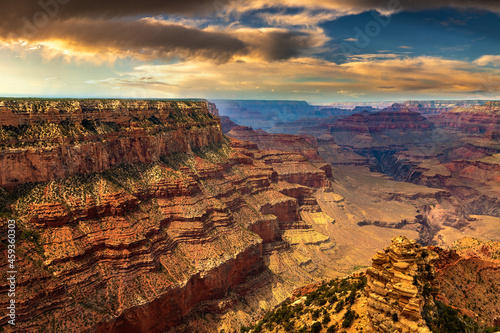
{"type": "Point", "coordinates": [281, 44]}
{"type": "Point", "coordinates": [117, 27]}
{"type": "Point", "coordinates": [150, 38]}
{"type": "Point", "coordinates": [13, 11]}
{"type": "Point", "coordinates": [145, 37]}
{"type": "Point", "coordinates": [23, 19]}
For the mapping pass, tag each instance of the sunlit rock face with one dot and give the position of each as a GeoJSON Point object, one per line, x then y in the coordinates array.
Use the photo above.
{"type": "Point", "coordinates": [45, 140]}
{"type": "Point", "coordinates": [395, 287]}
{"type": "Point", "coordinates": [131, 218]}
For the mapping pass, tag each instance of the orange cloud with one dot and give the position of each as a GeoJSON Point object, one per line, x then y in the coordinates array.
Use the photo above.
{"type": "Point", "coordinates": [313, 79]}
{"type": "Point", "coordinates": [486, 60]}
{"type": "Point", "coordinates": [150, 38]}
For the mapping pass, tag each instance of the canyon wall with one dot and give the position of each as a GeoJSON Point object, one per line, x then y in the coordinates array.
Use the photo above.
{"type": "Point", "coordinates": [403, 119]}
{"type": "Point", "coordinates": [138, 224]}
{"type": "Point", "coordinates": [47, 140]}
{"type": "Point", "coordinates": [473, 119]}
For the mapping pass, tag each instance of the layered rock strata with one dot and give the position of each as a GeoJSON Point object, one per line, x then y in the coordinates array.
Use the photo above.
{"type": "Point", "coordinates": [473, 119]}
{"type": "Point", "coordinates": [44, 140]}
{"type": "Point", "coordinates": [381, 121]}
{"type": "Point", "coordinates": [395, 287]}
{"type": "Point", "coordinates": [143, 244]}
{"type": "Point", "coordinates": [306, 145]}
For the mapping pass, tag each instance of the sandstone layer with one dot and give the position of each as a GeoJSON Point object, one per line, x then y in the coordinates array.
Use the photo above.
{"type": "Point", "coordinates": [305, 145]}
{"type": "Point", "coordinates": [182, 221]}
{"type": "Point", "coordinates": [44, 140]}
{"type": "Point", "coordinates": [395, 287]}
{"type": "Point", "coordinates": [473, 119]}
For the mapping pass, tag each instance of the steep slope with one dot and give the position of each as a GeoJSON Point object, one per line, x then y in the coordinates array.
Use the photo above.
{"type": "Point", "coordinates": [457, 155]}
{"type": "Point", "coordinates": [398, 288]}
{"type": "Point", "coordinates": [306, 145]}
{"type": "Point", "coordinates": [468, 276]}
{"type": "Point", "coordinates": [379, 129]}
{"type": "Point", "coordinates": [399, 293]}
{"type": "Point", "coordinates": [186, 222]}
{"type": "Point", "coordinates": [43, 140]}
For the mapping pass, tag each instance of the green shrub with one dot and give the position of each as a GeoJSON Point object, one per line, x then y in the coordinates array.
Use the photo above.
{"type": "Point", "coordinates": [316, 327]}
{"type": "Point", "coordinates": [427, 290]}
{"type": "Point", "coordinates": [332, 329]}
{"type": "Point", "coordinates": [315, 314]}
{"type": "Point", "coordinates": [31, 235]}
{"type": "Point", "coordinates": [288, 326]}
{"type": "Point", "coordinates": [352, 296]}
{"type": "Point", "coordinates": [349, 317]}
{"type": "Point", "coordinates": [339, 306]}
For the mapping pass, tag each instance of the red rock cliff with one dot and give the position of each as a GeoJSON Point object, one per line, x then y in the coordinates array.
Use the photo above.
{"type": "Point", "coordinates": [50, 140]}
{"type": "Point", "coordinates": [473, 119]}
{"type": "Point", "coordinates": [145, 226]}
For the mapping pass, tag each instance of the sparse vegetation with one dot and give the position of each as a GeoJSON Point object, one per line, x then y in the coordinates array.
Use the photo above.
{"type": "Point", "coordinates": [77, 120]}
{"type": "Point", "coordinates": [349, 317]}
{"type": "Point", "coordinates": [450, 320]}
{"type": "Point", "coordinates": [316, 327]}
{"type": "Point", "coordinates": [317, 308]}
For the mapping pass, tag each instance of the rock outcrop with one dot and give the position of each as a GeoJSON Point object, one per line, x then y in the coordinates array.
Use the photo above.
{"type": "Point", "coordinates": [304, 144]}
{"type": "Point", "coordinates": [227, 124]}
{"type": "Point", "coordinates": [424, 108]}
{"type": "Point", "coordinates": [381, 121]}
{"type": "Point", "coordinates": [409, 288]}
{"type": "Point", "coordinates": [397, 285]}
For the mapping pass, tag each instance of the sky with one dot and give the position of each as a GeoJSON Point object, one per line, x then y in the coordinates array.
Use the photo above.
{"type": "Point", "coordinates": [320, 51]}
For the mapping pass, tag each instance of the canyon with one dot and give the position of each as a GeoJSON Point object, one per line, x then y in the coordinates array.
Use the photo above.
{"type": "Point", "coordinates": [453, 149]}
{"type": "Point", "coordinates": [159, 216]}
{"type": "Point", "coordinates": [141, 216]}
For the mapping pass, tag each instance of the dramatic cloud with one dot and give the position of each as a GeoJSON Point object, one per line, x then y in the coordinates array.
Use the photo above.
{"type": "Point", "coordinates": [114, 29]}
{"type": "Point", "coordinates": [317, 80]}
{"type": "Point", "coordinates": [279, 44]}
{"type": "Point", "coordinates": [143, 38]}
{"type": "Point", "coordinates": [224, 49]}
{"type": "Point", "coordinates": [358, 6]}
{"type": "Point", "coordinates": [157, 39]}
{"type": "Point", "coordinates": [14, 13]}
{"type": "Point", "coordinates": [304, 18]}
{"type": "Point", "coordinates": [18, 16]}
